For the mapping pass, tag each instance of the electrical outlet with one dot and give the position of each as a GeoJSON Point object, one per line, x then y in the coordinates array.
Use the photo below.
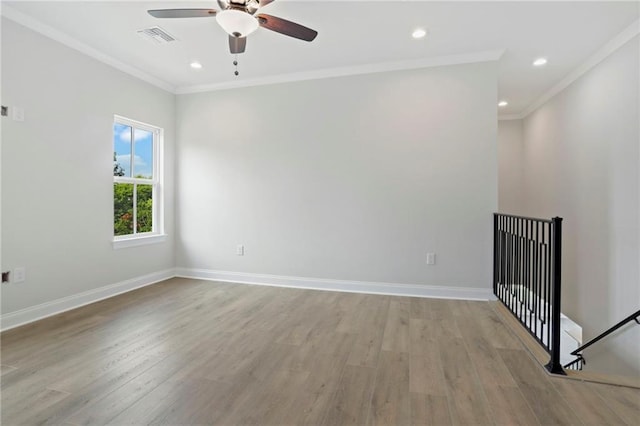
{"type": "Point", "coordinates": [19, 274]}
{"type": "Point", "coordinates": [431, 258]}
{"type": "Point", "coordinates": [240, 250]}
{"type": "Point", "coordinates": [18, 113]}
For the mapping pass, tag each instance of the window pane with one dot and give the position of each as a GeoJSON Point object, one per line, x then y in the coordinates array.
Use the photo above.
{"type": "Point", "coordinates": [143, 160]}
{"type": "Point", "coordinates": [145, 208]}
{"type": "Point", "coordinates": [122, 208]}
{"type": "Point", "coordinates": [121, 150]}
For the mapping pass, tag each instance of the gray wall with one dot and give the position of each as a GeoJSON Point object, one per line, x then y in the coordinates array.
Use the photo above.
{"type": "Point", "coordinates": [511, 199]}
{"type": "Point", "coordinates": [350, 178]}
{"type": "Point", "coordinates": [57, 207]}
{"type": "Point", "coordinates": [581, 161]}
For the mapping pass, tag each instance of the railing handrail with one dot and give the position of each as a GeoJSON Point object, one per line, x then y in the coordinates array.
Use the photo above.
{"type": "Point", "coordinates": [527, 276]}
{"type": "Point", "coordinates": [536, 219]}
{"type": "Point", "coordinates": [631, 317]}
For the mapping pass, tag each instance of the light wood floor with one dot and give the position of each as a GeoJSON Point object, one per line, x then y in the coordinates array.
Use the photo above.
{"type": "Point", "coordinates": [193, 352]}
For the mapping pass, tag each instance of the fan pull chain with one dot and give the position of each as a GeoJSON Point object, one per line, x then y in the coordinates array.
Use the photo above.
{"type": "Point", "coordinates": [235, 64]}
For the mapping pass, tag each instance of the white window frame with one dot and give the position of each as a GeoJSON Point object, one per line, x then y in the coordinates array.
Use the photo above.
{"type": "Point", "coordinates": [157, 234]}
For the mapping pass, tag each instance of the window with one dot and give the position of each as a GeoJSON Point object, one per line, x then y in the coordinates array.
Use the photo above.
{"type": "Point", "coordinates": [137, 191]}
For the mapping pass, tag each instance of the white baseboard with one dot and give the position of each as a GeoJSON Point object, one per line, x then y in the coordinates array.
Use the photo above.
{"type": "Point", "coordinates": [391, 289]}
{"type": "Point", "coordinates": [44, 310]}
{"type": "Point", "coordinates": [34, 313]}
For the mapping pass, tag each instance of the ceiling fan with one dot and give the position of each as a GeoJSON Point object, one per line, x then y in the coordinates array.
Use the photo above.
{"type": "Point", "coordinates": [238, 18]}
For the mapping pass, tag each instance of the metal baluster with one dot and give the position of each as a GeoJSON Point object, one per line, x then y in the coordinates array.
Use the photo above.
{"type": "Point", "coordinates": [554, 365]}
{"type": "Point", "coordinates": [527, 256]}
{"type": "Point", "coordinates": [536, 286]}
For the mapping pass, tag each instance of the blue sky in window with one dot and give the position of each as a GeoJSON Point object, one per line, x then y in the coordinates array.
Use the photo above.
{"type": "Point", "coordinates": [143, 158]}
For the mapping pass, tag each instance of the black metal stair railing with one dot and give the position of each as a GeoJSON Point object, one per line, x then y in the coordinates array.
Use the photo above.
{"type": "Point", "coordinates": [527, 276]}
{"type": "Point", "coordinates": [579, 362]}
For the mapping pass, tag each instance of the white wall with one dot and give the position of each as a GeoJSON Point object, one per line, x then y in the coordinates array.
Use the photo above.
{"type": "Point", "coordinates": [350, 178]}
{"type": "Point", "coordinates": [57, 205]}
{"type": "Point", "coordinates": [581, 152]}
{"type": "Point", "coordinates": [510, 173]}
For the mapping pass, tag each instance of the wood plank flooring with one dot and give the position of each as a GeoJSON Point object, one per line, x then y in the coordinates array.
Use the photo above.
{"type": "Point", "coordinates": [194, 352]}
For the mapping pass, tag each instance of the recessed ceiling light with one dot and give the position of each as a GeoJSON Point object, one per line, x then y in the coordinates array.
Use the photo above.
{"type": "Point", "coordinates": [540, 62]}
{"type": "Point", "coordinates": [195, 65]}
{"type": "Point", "coordinates": [418, 33]}
{"type": "Point", "coordinates": [503, 103]}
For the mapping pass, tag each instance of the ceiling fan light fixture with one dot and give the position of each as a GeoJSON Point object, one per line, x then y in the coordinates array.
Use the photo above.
{"type": "Point", "coordinates": [237, 23]}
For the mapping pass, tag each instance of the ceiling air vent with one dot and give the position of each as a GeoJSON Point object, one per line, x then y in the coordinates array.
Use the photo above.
{"type": "Point", "coordinates": [156, 35]}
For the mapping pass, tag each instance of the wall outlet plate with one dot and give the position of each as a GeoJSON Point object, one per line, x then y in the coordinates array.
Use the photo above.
{"type": "Point", "coordinates": [18, 113]}
{"type": "Point", "coordinates": [19, 274]}
{"type": "Point", "coordinates": [431, 258]}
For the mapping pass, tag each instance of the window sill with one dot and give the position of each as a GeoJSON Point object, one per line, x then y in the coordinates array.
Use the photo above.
{"type": "Point", "coordinates": [138, 241]}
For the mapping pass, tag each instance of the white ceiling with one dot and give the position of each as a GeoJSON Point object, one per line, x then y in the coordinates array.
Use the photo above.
{"type": "Point", "coordinates": [356, 35]}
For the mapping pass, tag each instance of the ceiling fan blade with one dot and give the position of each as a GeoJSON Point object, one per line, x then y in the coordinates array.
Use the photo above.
{"type": "Point", "coordinates": [263, 3]}
{"type": "Point", "coordinates": [183, 13]}
{"type": "Point", "coordinates": [223, 4]}
{"type": "Point", "coordinates": [237, 44]}
{"type": "Point", "coordinates": [285, 27]}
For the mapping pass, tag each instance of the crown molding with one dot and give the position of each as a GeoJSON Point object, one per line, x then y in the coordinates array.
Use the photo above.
{"type": "Point", "coordinates": [483, 56]}
{"type": "Point", "coordinates": [54, 34]}
{"type": "Point", "coordinates": [510, 117]}
{"type": "Point", "coordinates": [601, 54]}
